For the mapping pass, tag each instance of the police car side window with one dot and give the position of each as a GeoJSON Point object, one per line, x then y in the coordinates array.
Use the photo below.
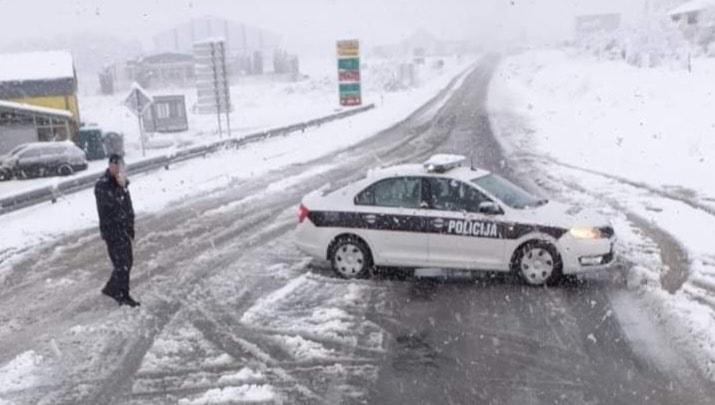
{"type": "Point", "coordinates": [404, 192]}
{"type": "Point", "coordinates": [453, 195]}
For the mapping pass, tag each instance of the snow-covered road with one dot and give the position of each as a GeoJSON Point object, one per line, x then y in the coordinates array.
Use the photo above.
{"type": "Point", "coordinates": [232, 313]}
{"type": "Point", "coordinates": [230, 309]}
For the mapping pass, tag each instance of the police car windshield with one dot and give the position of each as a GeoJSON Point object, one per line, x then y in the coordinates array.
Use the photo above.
{"type": "Point", "coordinates": [508, 193]}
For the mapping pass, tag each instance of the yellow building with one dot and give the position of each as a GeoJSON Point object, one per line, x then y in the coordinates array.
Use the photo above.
{"type": "Point", "coordinates": [42, 79]}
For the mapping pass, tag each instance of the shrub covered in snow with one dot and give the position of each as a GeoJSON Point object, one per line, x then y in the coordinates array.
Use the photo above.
{"type": "Point", "coordinates": [645, 44]}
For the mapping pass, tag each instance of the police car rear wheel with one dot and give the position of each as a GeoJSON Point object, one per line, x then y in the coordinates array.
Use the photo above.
{"type": "Point", "coordinates": [538, 263]}
{"type": "Point", "coordinates": [351, 258]}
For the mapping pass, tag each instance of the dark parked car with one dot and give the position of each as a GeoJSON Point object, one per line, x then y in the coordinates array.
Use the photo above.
{"type": "Point", "coordinates": [42, 159]}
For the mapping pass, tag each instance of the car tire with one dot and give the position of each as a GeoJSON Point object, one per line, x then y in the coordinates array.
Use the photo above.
{"type": "Point", "coordinates": [351, 258]}
{"type": "Point", "coordinates": [538, 263]}
{"type": "Point", "coordinates": [65, 170]}
{"type": "Point", "coordinates": [5, 174]}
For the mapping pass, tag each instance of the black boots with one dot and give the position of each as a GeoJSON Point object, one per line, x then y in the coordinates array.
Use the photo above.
{"type": "Point", "coordinates": [128, 300]}
{"type": "Point", "coordinates": [121, 297]}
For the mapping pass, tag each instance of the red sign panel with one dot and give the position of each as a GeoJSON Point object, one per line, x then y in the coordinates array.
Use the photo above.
{"type": "Point", "coordinates": [350, 100]}
{"type": "Point", "coordinates": [349, 75]}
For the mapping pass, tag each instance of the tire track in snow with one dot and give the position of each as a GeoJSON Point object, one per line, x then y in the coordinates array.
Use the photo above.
{"type": "Point", "coordinates": [639, 185]}
{"type": "Point", "coordinates": [178, 254]}
{"type": "Point", "coordinates": [673, 254]}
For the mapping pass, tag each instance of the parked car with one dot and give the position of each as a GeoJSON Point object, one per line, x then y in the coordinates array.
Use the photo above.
{"type": "Point", "coordinates": [42, 159]}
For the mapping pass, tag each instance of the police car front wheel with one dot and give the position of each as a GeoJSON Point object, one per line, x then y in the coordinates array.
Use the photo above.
{"type": "Point", "coordinates": [351, 258]}
{"type": "Point", "coordinates": [538, 263]}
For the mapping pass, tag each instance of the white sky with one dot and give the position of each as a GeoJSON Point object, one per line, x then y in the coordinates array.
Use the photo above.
{"type": "Point", "coordinates": [303, 23]}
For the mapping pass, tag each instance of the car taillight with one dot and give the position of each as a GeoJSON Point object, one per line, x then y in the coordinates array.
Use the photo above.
{"type": "Point", "coordinates": [302, 213]}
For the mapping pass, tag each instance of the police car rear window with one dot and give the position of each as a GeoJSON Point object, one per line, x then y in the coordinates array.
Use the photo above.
{"type": "Point", "coordinates": [402, 192]}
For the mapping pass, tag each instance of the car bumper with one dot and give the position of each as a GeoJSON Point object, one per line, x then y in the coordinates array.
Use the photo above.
{"type": "Point", "coordinates": [581, 255]}
{"type": "Point", "coordinates": [310, 240]}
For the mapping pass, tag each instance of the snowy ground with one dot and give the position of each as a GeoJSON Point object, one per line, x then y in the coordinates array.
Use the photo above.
{"type": "Point", "coordinates": [214, 329]}
{"type": "Point", "coordinates": [259, 103]}
{"type": "Point", "coordinates": [637, 142]}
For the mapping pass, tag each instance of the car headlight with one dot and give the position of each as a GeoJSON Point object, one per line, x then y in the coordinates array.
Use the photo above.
{"type": "Point", "coordinates": [585, 233]}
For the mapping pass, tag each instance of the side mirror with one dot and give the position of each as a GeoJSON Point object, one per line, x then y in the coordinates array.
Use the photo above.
{"type": "Point", "coordinates": [489, 208]}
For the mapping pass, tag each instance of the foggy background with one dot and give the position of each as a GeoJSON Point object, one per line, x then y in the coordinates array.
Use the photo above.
{"type": "Point", "coordinates": [307, 26]}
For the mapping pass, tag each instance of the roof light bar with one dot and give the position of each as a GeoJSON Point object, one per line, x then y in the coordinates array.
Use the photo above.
{"type": "Point", "coordinates": [441, 163]}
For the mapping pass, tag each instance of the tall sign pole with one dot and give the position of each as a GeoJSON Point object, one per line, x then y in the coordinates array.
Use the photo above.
{"type": "Point", "coordinates": [214, 69]}
{"type": "Point", "coordinates": [349, 88]}
{"type": "Point", "coordinates": [226, 88]}
{"type": "Point", "coordinates": [141, 127]}
{"type": "Point", "coordinates": [138, 101]}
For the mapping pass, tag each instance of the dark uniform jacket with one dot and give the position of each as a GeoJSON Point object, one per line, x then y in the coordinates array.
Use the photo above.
{"type": "Point", "coordinates": [114, 205]}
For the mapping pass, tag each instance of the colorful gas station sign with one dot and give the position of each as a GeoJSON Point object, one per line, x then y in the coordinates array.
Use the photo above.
{"type": "Point", "coordinates": [349, 72]}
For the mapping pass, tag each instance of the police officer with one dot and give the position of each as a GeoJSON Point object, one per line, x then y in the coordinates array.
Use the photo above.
{"type": "Point", "coordinates": [116, 224]}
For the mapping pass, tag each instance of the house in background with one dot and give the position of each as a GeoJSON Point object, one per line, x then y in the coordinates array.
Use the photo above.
{"type": "Point", "coordinates": [241, 39]}
{"type": "Point", "coordinates": [38, 95]}
{"type": "Point", "coordinates": [248, 49]}
{"type": "Point", "coordinates": [166, 114]}
{"type": "Point", "coordinates": [43, 79]}
{"type": "Point", "coordinates": [696, 19]}
{"type": "Point", "coordinates": [592, 24]}
{"type": "Point", "coordinates": [22, 123]}
{"type": "Point", "coordinates": [168, 69]}
{"type": "Point", "coordinates": [691, 12]}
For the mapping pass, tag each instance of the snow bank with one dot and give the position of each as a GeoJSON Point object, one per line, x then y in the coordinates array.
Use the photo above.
{"type": "Point", "coordinates": [654, 126]}
{"type": "Point", "coordinates": [239, 376]}
{"type": "Point", "coordinates": [19, 373]}
{"type": "Point", "coordinates": [232, 395]}
{"type": "Point", "coordinates": [636, 141]}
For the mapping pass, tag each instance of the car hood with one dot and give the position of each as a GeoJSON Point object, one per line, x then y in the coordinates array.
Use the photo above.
{"type": "Point", "coordinates": [556, 214]}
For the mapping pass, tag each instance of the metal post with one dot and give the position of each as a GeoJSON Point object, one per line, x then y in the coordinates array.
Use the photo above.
{"type": "Point", "coordinates": [139, 121]}
{"type": "Point", "coordinates": [216, 93]}
{"type": "Point", "coordinates": [227, 90]}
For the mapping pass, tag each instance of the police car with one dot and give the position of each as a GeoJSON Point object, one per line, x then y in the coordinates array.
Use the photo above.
{"type": "Point", "coordinates": [443, 214]}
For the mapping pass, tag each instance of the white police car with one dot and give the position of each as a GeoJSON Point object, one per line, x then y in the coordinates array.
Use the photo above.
{"type": "Point", "coordinates": [444, 215]}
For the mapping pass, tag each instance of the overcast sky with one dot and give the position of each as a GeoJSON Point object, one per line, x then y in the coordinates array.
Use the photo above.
{"type": "Point", "coordinates": [302, 23]}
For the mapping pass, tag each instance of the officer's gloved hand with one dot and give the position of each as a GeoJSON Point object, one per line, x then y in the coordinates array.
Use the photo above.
{"type": "Point", "coordinates": [130, 231]}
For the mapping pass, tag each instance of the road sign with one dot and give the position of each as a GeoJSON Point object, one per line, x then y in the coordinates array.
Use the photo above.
{"type": "Point", "coordinates": [349, 72]}
{"type": "Point", "coordinates": [138, 100]}
{"type": "Point", "coordinates": [349, 48]}
{"type": "Point", "coordinates": [211, 77]}
{"type": "Point", "coordinates": [349, 75]}
{"type": "Point", "coordinates": [349, 64]}
{"type": "Point", "coordinates": [212, 85]}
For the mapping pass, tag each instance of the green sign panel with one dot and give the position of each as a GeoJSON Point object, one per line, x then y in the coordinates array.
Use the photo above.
{"type": "Point", "coordinates": [349, 88]}
{"type": "Point", "coordinates": [349, 64]}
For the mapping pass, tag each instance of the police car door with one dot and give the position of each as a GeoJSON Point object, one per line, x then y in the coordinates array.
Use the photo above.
{"type": "Point", "coordinates": [391, 221]}
{"type": "Point", "coordinates": [460, 236]}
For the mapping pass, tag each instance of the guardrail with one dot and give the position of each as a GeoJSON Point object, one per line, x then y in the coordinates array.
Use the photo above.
{"type": "Point", "coordinates": [51, 193]}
